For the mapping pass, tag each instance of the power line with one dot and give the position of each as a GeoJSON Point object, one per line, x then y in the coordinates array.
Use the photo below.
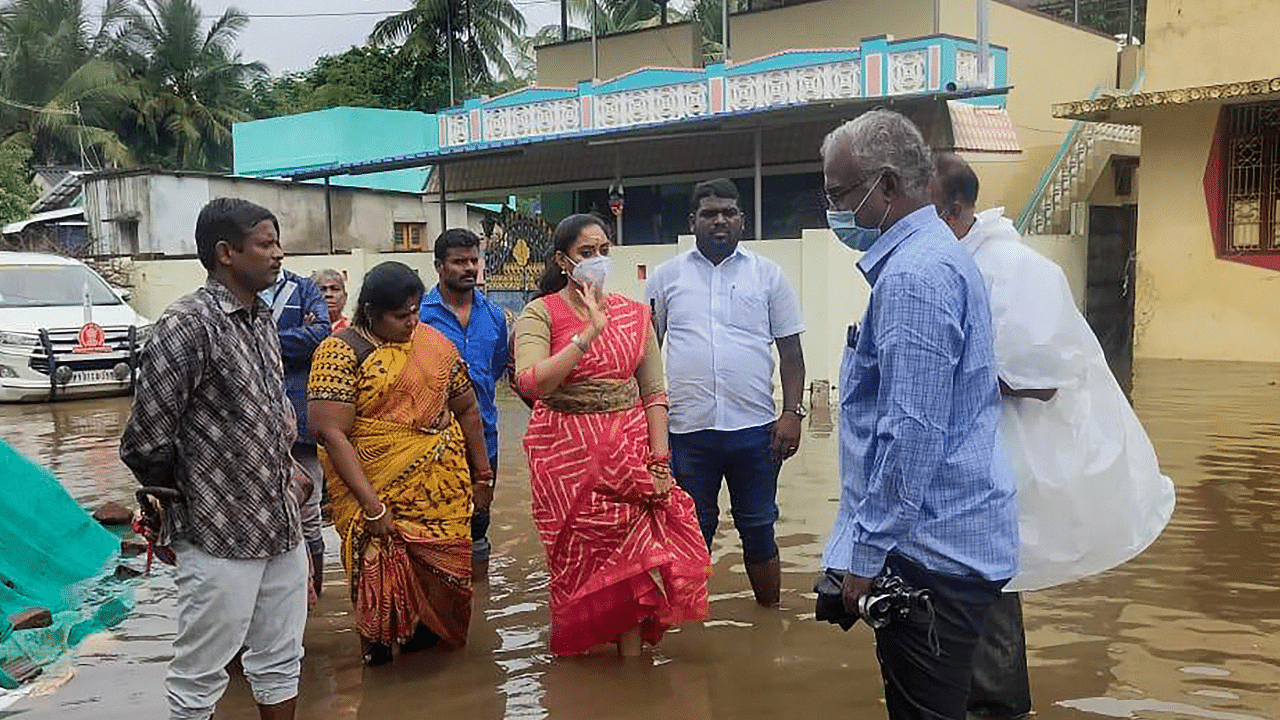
{"type": "Point", "coordinates": [33, 108]}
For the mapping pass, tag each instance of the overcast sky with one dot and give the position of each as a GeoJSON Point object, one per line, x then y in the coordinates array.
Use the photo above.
{"type": "Point", "coordinates": [294, 43]}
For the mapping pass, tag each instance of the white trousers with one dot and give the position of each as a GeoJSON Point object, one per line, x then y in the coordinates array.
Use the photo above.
{"type": "Point", "coordinates": [225, 606]}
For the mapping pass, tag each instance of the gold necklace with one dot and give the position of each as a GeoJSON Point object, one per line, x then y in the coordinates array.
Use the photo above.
{"type": "Point", "coordinates": [374, 340]}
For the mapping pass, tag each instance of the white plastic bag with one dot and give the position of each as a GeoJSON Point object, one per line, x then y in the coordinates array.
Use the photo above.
{"type": "Point", "coordinates": [1090, 492]}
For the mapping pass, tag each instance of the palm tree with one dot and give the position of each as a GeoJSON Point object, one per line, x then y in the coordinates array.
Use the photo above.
{"type": "Point", "coordinates": [79, 124]}
{"type": "Point", "coordinates": [60, 99]}
{"type": "Point", "coordinates": [474, 35]}
{"type": "Point", "coordinates": [710, 14]}
{"type": "Point", "coordinates": [44, 42]}
{"type": "Point", "coordinates": [615, 16]}
{"type": "Point", "coordinates": [193, 84]}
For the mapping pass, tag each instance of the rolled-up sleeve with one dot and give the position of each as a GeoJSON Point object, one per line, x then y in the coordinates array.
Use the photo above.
{"type": "Point", "coordinates": [172, 367]}
{"type": "Point", "coordinates": [919, 338]}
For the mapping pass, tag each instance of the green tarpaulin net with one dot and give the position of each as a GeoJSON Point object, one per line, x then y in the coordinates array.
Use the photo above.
{"type": "Point", "coordinates": [57, 557]}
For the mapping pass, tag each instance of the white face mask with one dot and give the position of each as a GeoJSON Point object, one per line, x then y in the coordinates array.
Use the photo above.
{"type": "Point", "coordinates": [592, 271]}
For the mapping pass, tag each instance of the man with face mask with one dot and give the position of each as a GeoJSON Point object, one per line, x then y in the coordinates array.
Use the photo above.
{"type": "Point", "coordinates": [927, 494]}
{"type": "Point", "coordinates": [1074, 442]}
{"type": "Point", "coordinates": [720, 309]}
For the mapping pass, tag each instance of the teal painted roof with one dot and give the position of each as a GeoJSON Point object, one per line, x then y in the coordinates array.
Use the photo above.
{"type": "Point", "coordinates": [283, 145]}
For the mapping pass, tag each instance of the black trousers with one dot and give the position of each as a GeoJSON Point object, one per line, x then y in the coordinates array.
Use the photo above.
{"type": "Point", "coordinates": [927, 661]}
{"type": "Point", "coordinates": [1001, 687]}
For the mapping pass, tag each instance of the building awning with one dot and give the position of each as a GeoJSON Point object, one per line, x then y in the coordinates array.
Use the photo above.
{"type": "Point", "coordinates": [1134, 109]}
{"type": "Point", "coordinates": [52, 216]}
{"type": "Point", "coordinates": [790, 139]}
{"type": "Point", "coordinates": [977, 128]}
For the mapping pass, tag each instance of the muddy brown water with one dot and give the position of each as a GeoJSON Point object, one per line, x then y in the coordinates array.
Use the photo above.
{"type": "Point", "coordinates": [1190, 629]}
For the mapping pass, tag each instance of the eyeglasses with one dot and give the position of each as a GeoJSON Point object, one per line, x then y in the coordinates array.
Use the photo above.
{"type": "Point", "coordinates": [836, 194]}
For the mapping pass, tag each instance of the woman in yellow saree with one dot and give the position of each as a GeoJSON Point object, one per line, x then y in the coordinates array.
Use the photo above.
{"type": "Point", "coordinates": [403, 452]}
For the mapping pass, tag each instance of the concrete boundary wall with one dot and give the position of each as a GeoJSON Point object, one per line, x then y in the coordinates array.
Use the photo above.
{"type": "Point", "coordinates": [823, 273]}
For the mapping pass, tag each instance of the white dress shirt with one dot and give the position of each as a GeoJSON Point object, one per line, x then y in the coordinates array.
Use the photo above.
{"type": "Point", "coordinates": [718, 324]}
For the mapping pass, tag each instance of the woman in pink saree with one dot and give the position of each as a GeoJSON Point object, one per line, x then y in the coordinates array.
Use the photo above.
{"type": "Point", "coordinates": [626, 556]}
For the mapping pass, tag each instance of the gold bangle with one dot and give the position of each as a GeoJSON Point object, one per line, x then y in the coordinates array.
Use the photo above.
{"type": "Point", "coordinates": [379, 516]}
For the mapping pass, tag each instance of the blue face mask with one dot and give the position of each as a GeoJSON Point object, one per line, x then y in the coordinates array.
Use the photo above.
{"type": "Point", "coordinates": [844, 224]}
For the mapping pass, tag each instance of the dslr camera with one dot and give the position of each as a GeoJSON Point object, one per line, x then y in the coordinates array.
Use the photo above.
{"type": "Point", "coordinates": [890, 600]}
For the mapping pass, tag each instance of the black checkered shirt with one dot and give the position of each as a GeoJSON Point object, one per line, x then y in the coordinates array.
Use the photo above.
{"type": "Point", "coordinates": [210, 417]}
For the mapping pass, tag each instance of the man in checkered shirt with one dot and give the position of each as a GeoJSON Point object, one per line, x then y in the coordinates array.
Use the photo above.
{"type": "Point", "coordinates": [926, 491]}
{"type": "Point", "coordinates": [211, 420]}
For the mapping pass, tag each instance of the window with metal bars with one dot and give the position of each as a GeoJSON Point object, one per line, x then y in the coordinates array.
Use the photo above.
{"type": "Point", "coordinates": [1252, 167]}
{"type": "Point", "coordinates": [408, 236]}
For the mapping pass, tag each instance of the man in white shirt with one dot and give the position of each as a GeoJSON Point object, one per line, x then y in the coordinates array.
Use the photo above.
{"type": "Point", "coordinates": [720, 309]}
{"type": "Point", "coordinates": [1074, 442]}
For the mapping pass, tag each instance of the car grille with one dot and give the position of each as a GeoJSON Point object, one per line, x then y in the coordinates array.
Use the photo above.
{"type": "Point", "coordinates": [64, 342]}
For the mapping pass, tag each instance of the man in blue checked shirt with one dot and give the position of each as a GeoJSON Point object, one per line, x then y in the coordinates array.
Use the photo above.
{"type": "Point", "coordinates": [927, 493]}
{"type": "Point", "coordinates": [478, 328]}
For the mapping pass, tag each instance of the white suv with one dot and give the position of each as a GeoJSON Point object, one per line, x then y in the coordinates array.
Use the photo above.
{"type": "Point", "coordinates": [64, 332]}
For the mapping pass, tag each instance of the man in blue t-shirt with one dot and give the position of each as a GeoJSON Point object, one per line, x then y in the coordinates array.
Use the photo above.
{"type": "Point", "coordinates": [479, 330]}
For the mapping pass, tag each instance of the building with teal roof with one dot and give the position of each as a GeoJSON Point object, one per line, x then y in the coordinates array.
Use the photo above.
{"type": "Point", "coordinates": [284, 146]}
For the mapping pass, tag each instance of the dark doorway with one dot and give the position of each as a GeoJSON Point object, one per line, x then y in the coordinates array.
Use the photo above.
{"type": "Point", "coordinates": [1113, 234]}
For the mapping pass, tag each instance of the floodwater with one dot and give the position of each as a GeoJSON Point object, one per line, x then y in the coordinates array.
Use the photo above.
{"type": "Point", "coordinates": [1190, 629]}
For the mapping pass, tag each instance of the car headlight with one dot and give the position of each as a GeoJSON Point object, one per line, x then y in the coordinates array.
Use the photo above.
{"type": "Point", "coordinates": [16, 339]}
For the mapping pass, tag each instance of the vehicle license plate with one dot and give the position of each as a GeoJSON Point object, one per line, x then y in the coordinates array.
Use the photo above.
{"type": "Point", "coordinates": [96, 376]}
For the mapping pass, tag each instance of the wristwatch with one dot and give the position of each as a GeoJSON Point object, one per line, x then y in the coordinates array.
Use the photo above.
{"type": "Point", "coordinates": [798, 410]}
{"type": "Point", "coordinates": [582, 346]}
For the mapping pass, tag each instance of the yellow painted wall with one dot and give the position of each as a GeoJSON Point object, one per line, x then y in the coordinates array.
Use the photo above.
{"type": "Point", "coordinates": [1048, 61]}
{"type": "Point", "coordinates": [823, 273]}
{"type": "Point", "coordinates": [565, 64]}
{"type": "Point", "coordinates": [1202, 42]}
{"type": "Point", "coordinates": [828, 24]}
{"type": "Point", "coordinates": [1191, 305]}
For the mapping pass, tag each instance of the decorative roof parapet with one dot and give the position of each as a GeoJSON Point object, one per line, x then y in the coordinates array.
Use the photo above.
{"type": "Point", "coordinates": [880, 67]}
{"type": "Point", "coordinates": [1103, 108]}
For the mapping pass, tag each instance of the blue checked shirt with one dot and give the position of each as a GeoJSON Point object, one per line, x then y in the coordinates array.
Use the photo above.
{"type": "Point", "coordinates": [923, 471]}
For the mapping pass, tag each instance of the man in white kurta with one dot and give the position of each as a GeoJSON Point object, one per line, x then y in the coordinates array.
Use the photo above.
{"type": "Point", "coordinates": [1090, 492]}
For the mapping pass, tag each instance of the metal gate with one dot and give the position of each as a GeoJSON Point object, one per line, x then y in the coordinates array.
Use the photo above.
{"type": "Point", "coordinates": [515, 256]}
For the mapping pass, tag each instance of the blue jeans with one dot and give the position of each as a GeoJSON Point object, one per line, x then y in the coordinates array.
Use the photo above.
{"type": "Point", "coordinates": [701, 460]}
{"type": "Point", "coordinates": [480, 545]}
